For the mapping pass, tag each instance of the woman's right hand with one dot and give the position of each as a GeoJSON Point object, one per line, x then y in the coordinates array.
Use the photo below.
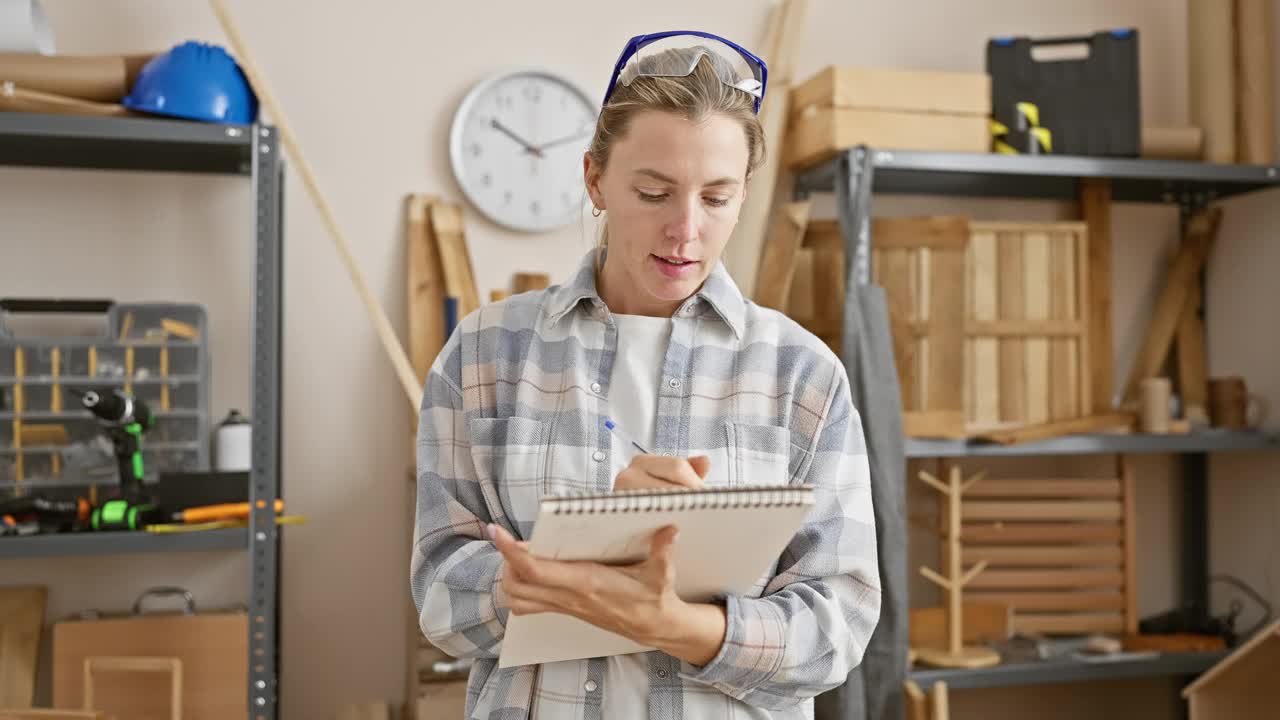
{"type": "Point", "coordinates": [661, 472]}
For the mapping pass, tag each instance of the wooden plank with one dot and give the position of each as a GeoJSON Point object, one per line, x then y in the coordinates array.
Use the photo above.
{"type": "Point", "coordinates": [1040, 556]}
{"type": "Point", "coordinates": [1193, 377]}
{"type": "Point", "coordinates": [1192, 254]}
{"type": "Point", "coordinates": [1033, 579]}
{"type": "Point", "coordinates": [985, 382]}
{"type": "Point", "coordinates": [1068, 624]}
{"type": "Point", "coordinates": [800, 300]}
{"type": "Point", "coordinates": [1042, 510]}
{"type": "Point", "coordinates": [1130, 545]}
{"type": "Point", "coordinates": [1046, 487]}
{"type": "Point", "coordinates": [1078, 601]}
{"type": "Point", "coordinates": [1255, 116]}
{"type": "Point", "coordinates": [1064, 379]}
{"type": "Point", "coordinates": [945, 374]}
{"type": "Point", "coordinates": [1080, 290]}
{"type": "Point", "coordinates": [1025, 328]}
{"type": "Point", "coordinates": [1044, 431]}
{"type": "Point", "coordinates": [1026, 228]}
{"type": "Point", "coordinates": [785, 32]}
{"type": "Point", "coordinates": [936, 232]}
{"type": "Point", "coordinates": [829, 288]}
{"type": "Point", "coordinates": [916, 701]}
{"type": "Point", "coordinates": [934, 424]}
{"type": "Point", "coordinates": [1028, 532]}
{"type": "Point", "coordinates": [817, 134]}
{"type": "Point", "coordinates": [1038, 282]}
{"type": "Point", "coordinates": [425, 285]}
{"type": "Point", "coordinates": [778, 263]}
{"type": "Point", "coordinates": [895, 279]}
{"type": "Point", "coordinates": [927, 91]}
{"type": "Point", "coordinates": [1211, 76]}
{"type": "Point", "coordinates": [21, 620]}
{"type": "Point", "coordinates": [459, 277]}
{"type": "Point", "coordinates": [1095, 208]}
{"type": "Point", "coordinates": [1013, 368]}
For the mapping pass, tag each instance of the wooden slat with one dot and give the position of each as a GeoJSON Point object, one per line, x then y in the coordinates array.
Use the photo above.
{"type": "Point", "coordinates": [425, 285]}
{"type": "Point", "coordinates": [1044, 431]}
{"type": "Point", "coordinates": [1064, 379]}
{"type": "Point", "coordinates": [1078, 601]}
{"type": "Point", "coordinates": [1025, 328]}
{"type": "Point", "coordinates": [1033, 556]}
{"type": "Point", "coordinates": [1130, 545]}
{"type": "Point", "coordinates": [1084, 350]}
{"type": "Point", "coordinates": [1038, 283]}
{"type": "Point", "coordinates": [1013, 368]}
{"type": "Point", "coordinates": [1024, 228]}
{"type": "Point", "coordinates": [895, 279]}
{"type": "Point", "coordinates": [1045, 510]}
{"type": "Point", "coordinates": [1027, 532]}
{"type": "Point", "coordinates": [1068, 624]}
{"type": "Point", "coordinates": [945, 283]}
{"type": "Point", "coordinates": [1032, 579]}
{"type": "Point", "coordinates": [985, 360]}
{"type": "Point", "coordinates": [1095, 208]}
{"type": "Point", "coordinates": [1193, 380]}
{"type": "Point", "coordinates": [800, 301]}
{"type": "Point", "coordinates": [21, 617]}
{"type": "Point", "coordinates": [778, 263]}
{"type": "Point", "coordinates": [1044, 488]}
{"type": "Point", "coordinates": [829, 287]}
{"type": "Point", "coordinates": [936, 233]}
{"type": "Point", "coordinates": [459, 277]}
{"type": "Point", "coordinates": [1172, 301]}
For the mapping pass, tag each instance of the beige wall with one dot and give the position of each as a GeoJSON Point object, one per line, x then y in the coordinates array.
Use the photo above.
{"type": "Point", "coordinates": [370, 89]}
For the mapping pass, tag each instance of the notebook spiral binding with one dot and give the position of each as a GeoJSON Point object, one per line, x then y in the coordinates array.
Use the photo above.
{"type": "Point", "coordinates": [679, 500]}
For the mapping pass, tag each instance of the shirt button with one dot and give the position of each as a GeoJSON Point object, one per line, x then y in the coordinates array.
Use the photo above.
{"type": "Point", "coordinates": [595, 388]}
{"type": "Point", "coordinates": [598, 455]}
{"type": "Point", "coordinates": [662, 674]}
{"type": "Point", "coordinates": [590, 686]}
{"type": "Point", "coordinates": [674, 382]}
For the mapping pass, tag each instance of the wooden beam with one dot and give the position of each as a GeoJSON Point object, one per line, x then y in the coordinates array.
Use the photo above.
{"type": "Point", "coordinates": [1095, 209]}
{"type": "Point", "coordinates": [782, 247]}
{"type": "Point", "coordinates": [1032, 532]}
{"type": "Point", "coordinates": [1045, 487]}
{"type": "Point", "coordinates": [1042, 510]}
{"type": "Point", "coordinates": [1045, 431]}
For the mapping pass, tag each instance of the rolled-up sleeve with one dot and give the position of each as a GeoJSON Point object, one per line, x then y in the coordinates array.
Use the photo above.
{"type": "Point", "coordinates": [455, 571]}
{"type": "Point", "coordinates": [812, 624]}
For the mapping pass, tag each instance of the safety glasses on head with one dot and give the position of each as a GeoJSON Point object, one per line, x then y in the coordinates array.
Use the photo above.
{"type": "Point", "coordinates": [676, 53]}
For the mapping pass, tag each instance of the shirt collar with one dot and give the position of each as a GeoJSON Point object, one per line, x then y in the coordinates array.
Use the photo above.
{"type": "Point", "coordinates": [719, 291]}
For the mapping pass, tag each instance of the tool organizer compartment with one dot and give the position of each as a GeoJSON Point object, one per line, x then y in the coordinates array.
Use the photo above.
{"type": "Point", "coordinates": [156, 351]}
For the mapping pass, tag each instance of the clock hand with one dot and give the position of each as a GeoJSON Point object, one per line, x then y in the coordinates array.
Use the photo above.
{"type": "Point", "coordinates": [496, 125]}
{"type": "Point", "coordinates": [567, 138]}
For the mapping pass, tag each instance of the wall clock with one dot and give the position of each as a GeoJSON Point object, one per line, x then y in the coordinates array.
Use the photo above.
{"type": "Point", "coordinates": [516, 148]}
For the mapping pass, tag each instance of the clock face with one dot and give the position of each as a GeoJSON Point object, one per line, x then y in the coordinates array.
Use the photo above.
{"type": "Point", "coordinates": [516, 146]}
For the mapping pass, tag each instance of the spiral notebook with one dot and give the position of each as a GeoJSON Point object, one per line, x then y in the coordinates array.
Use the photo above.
{"type": "Point", "coordinates": [730, 540]}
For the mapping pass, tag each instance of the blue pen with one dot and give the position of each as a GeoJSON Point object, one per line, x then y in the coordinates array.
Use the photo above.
{"type": "Point", "coordinates": [626, 441]}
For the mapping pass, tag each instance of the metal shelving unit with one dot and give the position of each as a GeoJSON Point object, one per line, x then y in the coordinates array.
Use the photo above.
{"type": "Point", "coordinates": [856, 174]}
{"type": "Point", "coordinates": [253, 152]}
{"type": "Point", "coordinates": [1069, 670]}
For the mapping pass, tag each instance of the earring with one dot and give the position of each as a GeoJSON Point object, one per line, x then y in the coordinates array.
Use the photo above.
{"type": "Point", "coordinates": [595, 211]}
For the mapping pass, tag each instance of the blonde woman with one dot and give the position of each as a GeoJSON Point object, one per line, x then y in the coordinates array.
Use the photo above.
{"type": "Point", "coordinates": [651, 332]}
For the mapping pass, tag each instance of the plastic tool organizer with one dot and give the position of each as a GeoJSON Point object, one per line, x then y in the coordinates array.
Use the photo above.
{"type": "Point", "coordinates": [1091, 105]}
{"type": "Point", "coordinates": [156, 351]}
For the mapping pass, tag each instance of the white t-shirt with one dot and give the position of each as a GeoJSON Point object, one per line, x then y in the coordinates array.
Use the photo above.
{"type": "Point", "coordinates": [633, 399]}
{"type": "Point", "coordinates": [633, 402]}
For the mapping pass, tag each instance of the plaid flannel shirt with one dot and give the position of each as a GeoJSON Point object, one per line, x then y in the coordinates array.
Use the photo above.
{"type": "Point", "coordinates": [512, 411]}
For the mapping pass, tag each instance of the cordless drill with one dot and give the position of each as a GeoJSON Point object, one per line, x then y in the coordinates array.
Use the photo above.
{"type": "Point", "coordinates": [124, 418]}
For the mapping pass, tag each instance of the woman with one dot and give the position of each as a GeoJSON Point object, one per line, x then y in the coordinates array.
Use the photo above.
{"type": "Point", "coordinates": [652, 333]}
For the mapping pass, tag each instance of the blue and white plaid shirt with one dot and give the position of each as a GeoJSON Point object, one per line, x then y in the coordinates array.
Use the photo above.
{"type": "Point", "coordinates": [512, 411]}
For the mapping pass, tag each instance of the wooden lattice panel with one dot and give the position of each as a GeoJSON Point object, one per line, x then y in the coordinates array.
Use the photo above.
{"type": "Point", "coordinates": [1059, 552]}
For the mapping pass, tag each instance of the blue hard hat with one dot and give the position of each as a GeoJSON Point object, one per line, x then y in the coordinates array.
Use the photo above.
{"type": "Point", "coordinates": [196, 81]}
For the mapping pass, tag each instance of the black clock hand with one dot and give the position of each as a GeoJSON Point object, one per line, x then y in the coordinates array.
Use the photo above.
{"type": "Point", "coordinates": [496, 125]}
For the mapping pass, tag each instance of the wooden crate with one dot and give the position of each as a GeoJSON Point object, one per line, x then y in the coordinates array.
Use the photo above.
{"type": "Point", "coordinates": [841, 107]}
{"type": "Point", "coordinates": [1026, 354]}
{"type": "Point", "coordinates": [1059, 552]}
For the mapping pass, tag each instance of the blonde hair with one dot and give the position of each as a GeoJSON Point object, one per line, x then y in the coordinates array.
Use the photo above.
{"type": "Point", "coordinates": [695, 97]}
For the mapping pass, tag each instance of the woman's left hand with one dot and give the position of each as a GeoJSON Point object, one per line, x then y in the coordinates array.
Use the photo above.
{"type": "Point", "coordinates": [636, 601]}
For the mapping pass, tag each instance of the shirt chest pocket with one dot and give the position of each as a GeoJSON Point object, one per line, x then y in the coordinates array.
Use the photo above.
{"type": "Point", "coordinates": [510, 456]}
{"type": "Point", "coordinates": [762, 454]}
